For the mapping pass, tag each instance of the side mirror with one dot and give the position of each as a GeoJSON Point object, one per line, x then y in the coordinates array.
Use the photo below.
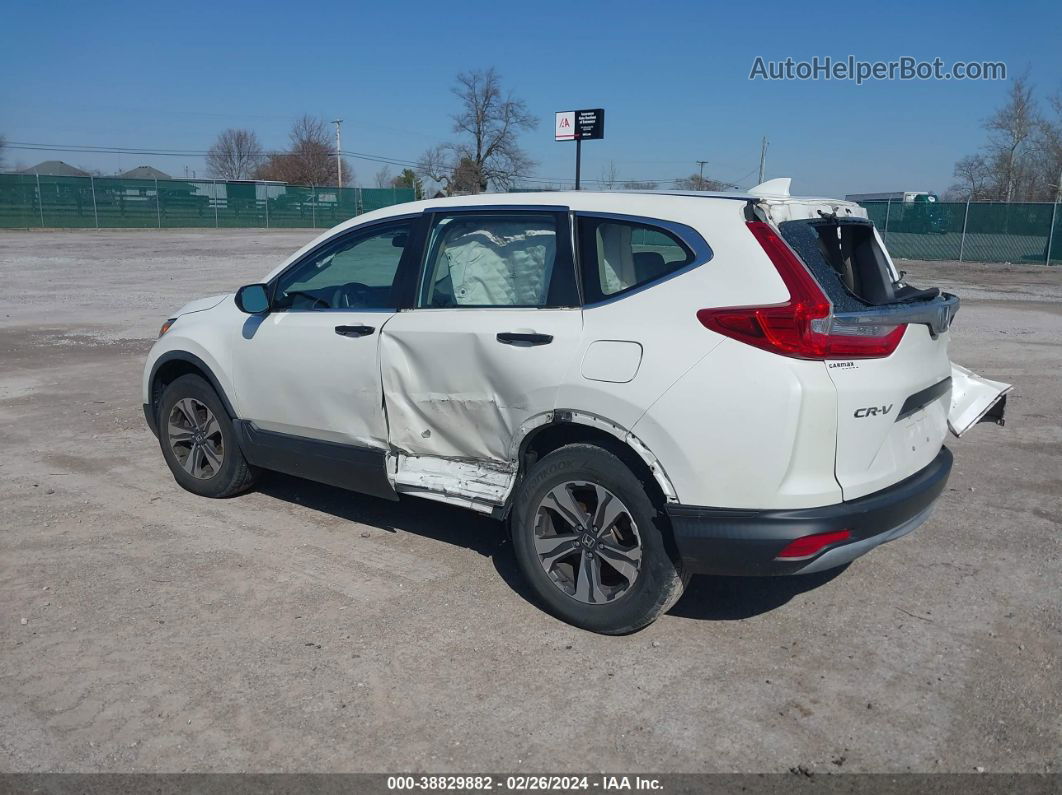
{"type": "Point", "coordinates": [253, 299]}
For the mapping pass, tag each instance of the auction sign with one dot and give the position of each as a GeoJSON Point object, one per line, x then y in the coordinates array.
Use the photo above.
{"type": "Point", "coordinates": [579, 126]}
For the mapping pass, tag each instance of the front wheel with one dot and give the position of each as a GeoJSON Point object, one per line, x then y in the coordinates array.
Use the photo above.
{"type": "Point", "coordinates": [592, 544]}
{"type": "Point", "coordinates": [198, 441]}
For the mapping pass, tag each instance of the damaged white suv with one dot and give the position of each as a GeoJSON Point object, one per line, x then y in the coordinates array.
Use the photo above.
{"type": "Point", "coordinates": [644, 385]}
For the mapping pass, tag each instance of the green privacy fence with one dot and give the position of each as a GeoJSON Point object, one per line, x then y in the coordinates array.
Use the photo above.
{"type": "Point", "coordinates": [1029, 233]}
{"type": "Point", "coordinates": [32, 201]}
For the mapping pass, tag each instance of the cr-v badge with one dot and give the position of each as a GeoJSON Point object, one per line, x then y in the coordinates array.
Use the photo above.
{"type": "Point", "coordinates": [873, 411]}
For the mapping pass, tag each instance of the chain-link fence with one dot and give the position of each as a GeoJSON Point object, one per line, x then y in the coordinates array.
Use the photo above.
{"type": "Point", "coordinates": [32, 201]}
{"type": "Point", "coordinates": [964, 231]}
{"type": "Point", "coordinates": [1029, 233]}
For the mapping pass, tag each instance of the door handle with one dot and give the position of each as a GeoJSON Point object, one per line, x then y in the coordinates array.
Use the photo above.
{"type": "Point", "coordinates": [511, 337]}
{"type": "Point", "coordinates": [354, 331]}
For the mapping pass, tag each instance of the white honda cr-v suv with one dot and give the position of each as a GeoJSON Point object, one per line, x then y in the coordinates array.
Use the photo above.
{"type": "Point", "coordinates": [644, 385]}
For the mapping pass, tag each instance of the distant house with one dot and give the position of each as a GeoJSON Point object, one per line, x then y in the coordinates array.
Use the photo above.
{"type": "Point", "coordinates": [144, 172]}
{"type": "Point", "coordinates": [54, 168]}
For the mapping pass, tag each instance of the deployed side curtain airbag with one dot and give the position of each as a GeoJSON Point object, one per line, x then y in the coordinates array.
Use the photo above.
{"type": "Point", "coordinates": [506, 265]}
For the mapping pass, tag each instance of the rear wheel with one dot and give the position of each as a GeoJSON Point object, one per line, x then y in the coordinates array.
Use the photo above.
{"type": "Point", "coordinates": [198, 441]}
{"type": "Point", "coordinates": [591, 542]}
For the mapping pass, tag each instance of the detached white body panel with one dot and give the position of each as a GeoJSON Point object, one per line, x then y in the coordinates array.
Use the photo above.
{"type": "Point", "coordinates": [971, 398]}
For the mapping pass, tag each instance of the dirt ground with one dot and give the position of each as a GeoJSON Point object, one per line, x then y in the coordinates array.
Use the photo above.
{"type": "Point", "coordinates": [301, 628]}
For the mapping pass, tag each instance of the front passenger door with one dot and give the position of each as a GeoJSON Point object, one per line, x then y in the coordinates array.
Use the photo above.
{"type": "Point", "coordinates": [310, 367]}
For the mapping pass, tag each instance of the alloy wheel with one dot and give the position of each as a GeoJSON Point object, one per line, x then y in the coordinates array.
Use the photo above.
{"type": "Point", "coordinates": [195, 438]}
{"type": "Point", "coordinates": [587, 542]}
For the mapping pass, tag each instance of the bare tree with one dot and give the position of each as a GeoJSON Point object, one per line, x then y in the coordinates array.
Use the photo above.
{"type": "Point", "coordinates": [456, 177]}
{"type": "Point", "coordinates": [609, 175]}
{"type": "Point", "coordinates": [1009, 129]}
{"type": "Point", "coordinates": [311, 159]}
{"type": "Point", "coordinates": [697, 182]}
{"type": "Point", "coordinates": [466, 177]}
{"type": "Point", "coordinates": [1022, 159]}
{"type": "Point", "coordinates": [1049, 146]}
{"type": "Point", "coordinates": [974, 174]}
{"type": "Point", "coordinates": [435, 164]}
{"type": "Point", "coordinates": [236, 154]}
{"type": "Point", "coordinates": [488, 124]}
{"type": "Point", "coordinates": [384, 178]}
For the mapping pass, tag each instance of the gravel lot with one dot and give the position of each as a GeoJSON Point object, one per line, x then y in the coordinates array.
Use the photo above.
{"type": "Point", "coordinates": [304, 628]}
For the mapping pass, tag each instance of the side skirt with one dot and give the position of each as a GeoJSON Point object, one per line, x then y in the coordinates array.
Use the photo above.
{"type": "Point", "coordinates": [358, 469]}
{"type": "Point", "coordinates": [479, 485]}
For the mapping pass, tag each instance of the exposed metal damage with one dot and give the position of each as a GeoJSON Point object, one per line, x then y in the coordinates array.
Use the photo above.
{"type": "Point", "coordinates": [480, 485]}
{"type": "Point", "coordinates": [484, 485]}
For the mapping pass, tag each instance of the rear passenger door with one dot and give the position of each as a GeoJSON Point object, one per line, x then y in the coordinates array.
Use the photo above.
{"type": "Point", "coordinates": [492, 334]}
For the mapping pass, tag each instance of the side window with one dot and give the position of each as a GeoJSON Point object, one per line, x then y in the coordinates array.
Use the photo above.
{"type": "Point", "coordinates": [618, 255]}
{"type": "Point", "coordinates": [356, 271]}
{"type": "Point", "coordinates": [498, 259]}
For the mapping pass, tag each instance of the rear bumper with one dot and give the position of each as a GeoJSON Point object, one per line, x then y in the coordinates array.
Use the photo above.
{"type": "Point", "coordinates": [747, 542]}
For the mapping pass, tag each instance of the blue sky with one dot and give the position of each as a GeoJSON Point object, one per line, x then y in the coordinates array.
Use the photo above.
{"type": "Point", "coordinates": [673, 78]}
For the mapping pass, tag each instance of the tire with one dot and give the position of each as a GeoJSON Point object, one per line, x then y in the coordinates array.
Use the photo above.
{"type": "Point", "coordinates": [203, 454]}
{"type": "Point", "coordinates": [618, 523]}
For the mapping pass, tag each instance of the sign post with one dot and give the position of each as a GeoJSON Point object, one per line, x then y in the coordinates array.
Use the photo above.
{"type": "Point", "coordinates": [577, 125]}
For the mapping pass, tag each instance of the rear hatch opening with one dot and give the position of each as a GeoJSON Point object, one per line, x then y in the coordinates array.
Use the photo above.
{"type": "Point", "coordinates": [895, 383]}
{"type": "Point", "coordinates": [850, 262]}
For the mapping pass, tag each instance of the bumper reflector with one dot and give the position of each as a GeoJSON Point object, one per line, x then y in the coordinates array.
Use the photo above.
{"type": "Point", "coordinates": [807, 546]}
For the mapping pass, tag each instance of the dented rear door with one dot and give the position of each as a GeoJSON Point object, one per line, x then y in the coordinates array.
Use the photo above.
{"type": "Point", "coordinates": [494, 333]}
{"type": "Point", "coordinates": [452, 389]}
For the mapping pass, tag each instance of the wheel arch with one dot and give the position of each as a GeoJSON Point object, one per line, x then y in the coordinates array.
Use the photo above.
{"type": "Point", "coordinates": [546, 433]}
{"type": "Point", "coordinates": [168, 368]}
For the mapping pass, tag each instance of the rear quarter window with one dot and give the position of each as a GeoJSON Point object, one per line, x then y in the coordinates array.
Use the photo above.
{"type": "Point", "coordinates": [618, 255]}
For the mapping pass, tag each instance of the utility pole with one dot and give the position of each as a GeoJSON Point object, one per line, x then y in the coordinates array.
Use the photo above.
{"type": "Point", "coordinates": [339, 154]}
{"type": "Point", "coordinates": [763, 159]}
{"type": "Point", "coordinates": [578, 160]}
{"type": "Point", "coordinates": [702, 164]}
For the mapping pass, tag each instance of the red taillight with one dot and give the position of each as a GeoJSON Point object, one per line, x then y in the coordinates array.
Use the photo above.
{"type": "Point", "coordinates": [810, 545]}
{"type": "Point", "coordinates": [801, 327]}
